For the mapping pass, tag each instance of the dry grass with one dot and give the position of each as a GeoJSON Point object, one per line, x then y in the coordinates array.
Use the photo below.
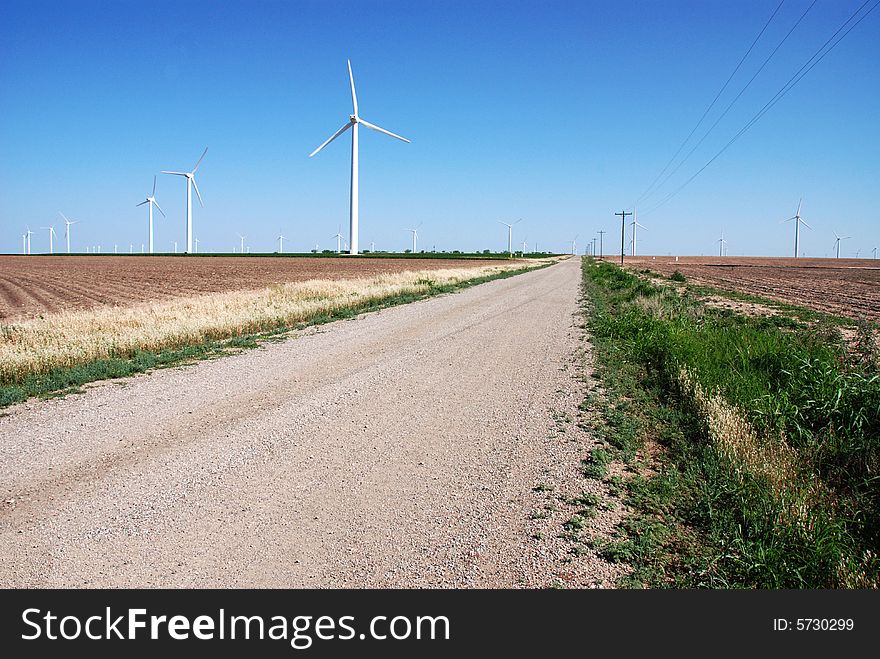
{"type": "Point", "coordinates": [73, 338]}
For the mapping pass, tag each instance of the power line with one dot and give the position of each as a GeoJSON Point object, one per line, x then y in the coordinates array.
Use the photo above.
{"type": "Point", "coordinates": [737, 97]}
{"type": "Point", "coordinates": [711, 105]}
{"type": "Point", "coordinates": [818, 56]}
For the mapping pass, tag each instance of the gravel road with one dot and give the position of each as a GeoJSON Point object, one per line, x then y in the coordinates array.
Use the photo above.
{"type": "Point", "coordinates": [397, 449]}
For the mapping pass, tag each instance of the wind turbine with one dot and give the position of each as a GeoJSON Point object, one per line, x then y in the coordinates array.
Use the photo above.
{"type": "Point", "coordinates": [837, 242]}
{"type": "Point", "coordinates": [281, 243]}
{"type": "Point", "coordinates": [574, 244]}
{"type": "Point", "coordinates": [510, 235]}
{"type": "Point", "coordinates": [415, 235]}
{"type": "Point", "coordinates": [338, 237]}
{"type": "Point", "coordinates": [353, 121]}
{"type": "Point", "coordinates": [797, 227]}
{"type": "Point", "coordinates": [190, 184]}
{"type": "Point", "coordinates": [721, 244]}
{"type": "Point", "coordinates": [51, 229]}
{"type": "Point", "coordinates": [874, 252]}
{"type": "Point", "coordinates": [151, 200]}
{"type": "Point", "coordinates": [635, 223]}
{"type": "Point", "coordinates": [67, 224]}
{"type": "Point", "coordinates": [242, 242]}
{"type": "Point", "coordinates": [196, 241]}
{"type": "Point", "coordinates": [372, 247]}
{"type": "Point", "coordinates": [524, 243]}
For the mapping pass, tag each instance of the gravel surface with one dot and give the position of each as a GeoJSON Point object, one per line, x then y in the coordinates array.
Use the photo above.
{"type": "Point", "coordinates": [400, 449]}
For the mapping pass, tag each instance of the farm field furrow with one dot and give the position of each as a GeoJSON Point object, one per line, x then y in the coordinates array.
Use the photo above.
{"type": "Point", "coordinates": [36, 285]}
{"type": "Point", "coordinates": [844, 287]}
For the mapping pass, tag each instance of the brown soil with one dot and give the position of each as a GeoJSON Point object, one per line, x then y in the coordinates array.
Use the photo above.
{"type": "Point", "coordinates": [34, 285]}
{"type": "Point", "coordinates": [845, 287]}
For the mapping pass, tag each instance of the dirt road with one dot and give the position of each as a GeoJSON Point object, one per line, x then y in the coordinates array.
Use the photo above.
{"type": "Point", "coordinates": [397, 449]}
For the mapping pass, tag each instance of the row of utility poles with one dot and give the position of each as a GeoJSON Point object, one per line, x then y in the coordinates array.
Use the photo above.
{"type": "Point", "coordinates": [623, 215]}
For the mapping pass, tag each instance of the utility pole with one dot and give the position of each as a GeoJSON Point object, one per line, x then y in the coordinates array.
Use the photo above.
{"type": "Point", "coordinates": [594, 247]}
{"type": "Point", "coordinates": [623, 215]}
{"type": "Point", "coordinates": [601, 233]}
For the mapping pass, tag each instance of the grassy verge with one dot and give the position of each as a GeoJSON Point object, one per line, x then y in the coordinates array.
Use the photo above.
{"type": "Point", "coordinates": [767, 431]}
{"type": "Point", "coordinates": [123, 361]}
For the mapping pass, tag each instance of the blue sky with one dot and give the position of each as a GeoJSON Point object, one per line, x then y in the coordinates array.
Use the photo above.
{"type": "Point", "coordinates": [560, 113]}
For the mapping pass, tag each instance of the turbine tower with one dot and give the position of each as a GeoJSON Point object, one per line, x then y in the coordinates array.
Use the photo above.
{"type": "Point", "coordinates": [353, 121]}
{"type": "Point", "coordinates": [242, 242]}
{"type": "Point", "coordinates": [415, 236]}
{"type": "Point", "coordinates": [67, 224]}
{"type": "Point", "coordinates": [280, 243]}
{"type": "Point", "coordinates": [51, 229]}
{"type": "Point", "coordinates": [338, 236]}
{"type": "Point", "coordinates": [574, 244]}
{"type": "Point", "coordinates": [721, 244]}
{"type": "Point", "coordinates": [635, 223]}
{"type": "Point", "coordinates": [510, 235]}
{"type": "Point", "coordinates": [797, 227]}
{"type": "Point", "coordinates": [29, 233]}
{"type": "Point", "coordinates": [151, 200]}
{"type": "Point", "coordinates": [190, 183]}
{"type": "Point", "coordinates": [837, 242]}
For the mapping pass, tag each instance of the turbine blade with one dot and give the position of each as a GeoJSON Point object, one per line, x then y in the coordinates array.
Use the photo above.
{"type": "Point", "coordinates": [175, 173]}
{"type": "Point", "coordinates": [154, 185]}
{"type": "Point", "coordinates": [159, 209]}
{"type": "Point", "coordinates": [805, 224]}
{"type": "Point", "coordinates": [799, 206]}
{"type": "Point", "coordinates": [200, 160]}
{"type": "Point", "coordinates": [142, 203]}
{"type": "Point", "coordinates": [382, 130]}
{"type": "Point", "coordinates": [198, 194]}
{"type": "Point", "coordinates": [354, 98]}
{"type": "Point", "coordinates": [332, 137]}
{"type": "Point", "coordinates": [63, 215]}
{"type": "Point", "coordinates": [504, 223]}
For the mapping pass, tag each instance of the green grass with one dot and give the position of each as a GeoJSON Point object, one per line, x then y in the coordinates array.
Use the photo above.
{"type": "Point", "coordinates": [794, 382]}
{"type": "Point", "coordinates": [63, 381]}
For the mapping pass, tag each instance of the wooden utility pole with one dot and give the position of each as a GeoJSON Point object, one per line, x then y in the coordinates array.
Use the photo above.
{"type": "Point", "coordinates": [623, 215]}
{"type": "Point", "coordinates": [601, 233]}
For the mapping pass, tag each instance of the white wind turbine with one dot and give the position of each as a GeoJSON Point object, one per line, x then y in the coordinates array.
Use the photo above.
{"type": "Point", "coordinates": [797, 227]}
{"type": "Point", "coordinates": [67, 224]}
{"type": "Point", "coordinates": [151, 200]}
{"type": "Point", "coordinates": [415, 235]}
{"type": "Point", "coordinates": [196, 241]}
{"type": "Point", "coordinates": [281, 243]}
{"type": "Point", "coordinates": [51, 229]}
{"type": "Point", "coordinates": [353, 121]}
{"type": "Point", "coordinates": [190, 184]}
{"type": "Point", "coordinates": [721, 245]}
{"type": "Point", "coordinates": [510, 235]}
{"type": "Point", "coordinates": [338, 236]}
{"type": "Point", "coordinates": [242, 242]}
{"type": "Point", "coordinates": [524, 244]}
{"type": "Point", "coordinates": [635, 224]}
{"type": "Point", "coordinates": [28, 233]}
{"type": "Point", "coordinates": [574, 244]}
{"type": "Point", "coordinates": [837, 242]}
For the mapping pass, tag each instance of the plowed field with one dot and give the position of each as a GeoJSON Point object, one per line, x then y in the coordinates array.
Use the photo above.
{"type": "Point", "coordinates": [844, 287]}
{"type": "Point", "coordinates": [34, 285]}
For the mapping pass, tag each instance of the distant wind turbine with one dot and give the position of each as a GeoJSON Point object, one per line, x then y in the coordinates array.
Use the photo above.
{"type": "Point", "coordinates": [281, 243]}
{"type": "Point", "coordinates": [372, 246]}
{"type": "Point", "coordinates": [196, 241]}
{"type": "Point", "coordinates": [415, 235]}
{"type": "Point", "coordinates": [353, 121]}
{"type": "Point", "coordinates": [67, 224]}
{"type": "Point", "coordinates": [635, 223]}
{"type": "Point", "coordinates": [524, 243]}
{"type": "Point", "coordinates": [574, 244]}
{"type": "Point", "coordinates": [510, 235]}
{"type": "Point", "coordinates": [837, 242]}
{"type": "Point", "coordinates": [28, 233]}
{"type": "Point", "coordinates": [242, 243]}
{"type": "Point", "coordinates": [190, 184]}
{"type": "Point", "coordinates": [798, 221]}
{"type": "Point", "coordinates": [51, 229]}
{"type": "Point", "coordinates": [151, 200]}
{"type": "Point", "coordinates": [721, 244]}
{"type": "Point", "coordinates": [338, 237]}
{"type": "Point", "coordinates": [874, 252]}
